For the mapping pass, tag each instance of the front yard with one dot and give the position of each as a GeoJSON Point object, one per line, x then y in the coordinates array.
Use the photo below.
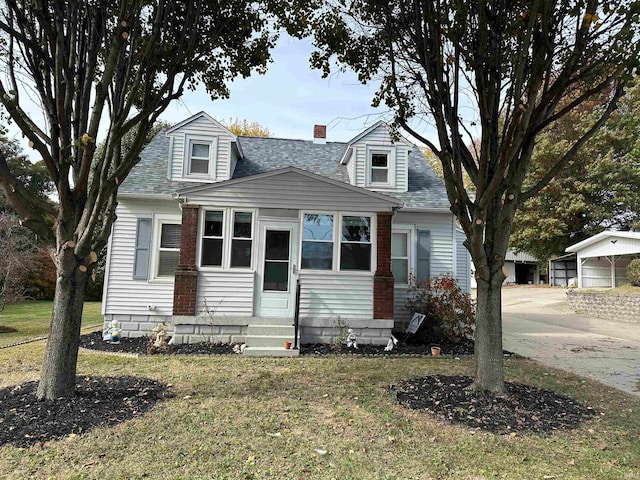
{"type": "Point", "coordinates": [26, 320]}
{"type": "Point", "coordinates": [231, 417]}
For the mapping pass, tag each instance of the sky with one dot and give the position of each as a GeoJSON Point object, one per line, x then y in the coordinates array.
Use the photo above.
{"type": "Point", "coordinates": [288, 100]}
{"type": "Point", "coordinates": [291, 98]}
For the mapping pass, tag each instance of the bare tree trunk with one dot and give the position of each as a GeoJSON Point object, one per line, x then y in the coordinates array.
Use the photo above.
{"type": "Point", "coordinates": [58, 375]}
{"type": "Point", "coordinates": [488, 335]}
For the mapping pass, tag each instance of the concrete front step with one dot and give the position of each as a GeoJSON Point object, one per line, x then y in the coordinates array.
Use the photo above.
{"type": "Point", "coordinates": [269, 330]}
{"type": "Point", "coordinates": [270, 341]}
{"type": "Point", "coordinates": [270, 352]}
{"type": "Point", "coordinates": [272, 321]}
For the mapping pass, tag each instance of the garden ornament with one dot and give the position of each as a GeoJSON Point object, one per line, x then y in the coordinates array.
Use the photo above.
{"type": "Point", "coordinates": [112, 332]}
{"type": "Point", "coordinates": [352, 339]}
{"type": "Point", "coordinates": [393, 341]}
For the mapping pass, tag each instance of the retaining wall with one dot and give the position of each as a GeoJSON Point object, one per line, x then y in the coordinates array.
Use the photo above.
{"type": "Point", "coordinates": [614, 307]}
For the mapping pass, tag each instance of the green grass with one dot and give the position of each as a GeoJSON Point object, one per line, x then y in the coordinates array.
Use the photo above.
{"type": "Point", "coordinates": [243, 418]}
{"type": "Point", "coordinates": [31, 319]}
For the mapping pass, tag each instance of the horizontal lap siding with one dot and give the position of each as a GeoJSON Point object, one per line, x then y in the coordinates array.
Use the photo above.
{"type": "Point", "coordinates": [124, 295]}
{"type": "Point", "coordinates": [463, 262]}
{"type": "Point", "coordinates": [331, 294]}
{"type": "Point", "coordinates": [400, 299]}
{"type": "Point", "coordinates": [442, 241]}
{"type": "Point", "coordinates": [202, 127]}
{"type": "Point", "coordinates": [286, 191]}
{"type": "Point", "coordinates": [225, 292]}
{"type": "Point", "coordinates": [380, 137]}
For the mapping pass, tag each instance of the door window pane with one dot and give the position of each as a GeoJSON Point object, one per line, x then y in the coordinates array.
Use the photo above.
{"type": "Point", "coordinates": [277, 245]}
{"type": "Point", "coordinates": [276, 276]}
{"type": "Point", "coordinates": [400, 257]}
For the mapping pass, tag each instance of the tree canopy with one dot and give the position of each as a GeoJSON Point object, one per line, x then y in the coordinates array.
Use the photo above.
{"type": "Point", "coordinates": [245, 127]}
{"type": "Point", "coordinates": [499, 72]}
{"type": "Point", "coordinates": [599, 189]}
{"type": "Point", "coordinates": [101, 69]}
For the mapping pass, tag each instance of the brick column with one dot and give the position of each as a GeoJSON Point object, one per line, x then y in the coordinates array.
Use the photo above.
{"type": "Point", "coordinates": [383, 278]}
{"type": "Point", "coordinates": [186, 279]}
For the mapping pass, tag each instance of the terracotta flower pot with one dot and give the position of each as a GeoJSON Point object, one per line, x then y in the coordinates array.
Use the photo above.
{"type": "Point", "coordinates": [287, 345]}
{"type": "Point", "coordinates": [435, 351]}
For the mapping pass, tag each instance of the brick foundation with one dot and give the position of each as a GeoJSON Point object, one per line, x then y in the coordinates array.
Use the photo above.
{"type": "Point", "coordinates": [383, 279]}
{"type": "Point", "coordinates": [186, 279]}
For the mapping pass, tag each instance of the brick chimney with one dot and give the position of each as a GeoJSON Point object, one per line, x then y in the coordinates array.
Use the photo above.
{"type": "Point", "coordinates": [319, 134]}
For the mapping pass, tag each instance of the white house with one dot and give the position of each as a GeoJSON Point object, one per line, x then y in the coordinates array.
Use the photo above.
{"type": "Point", "coordinates": [602, 260]}
{"type": "Point", "coordinates": [215, 231]}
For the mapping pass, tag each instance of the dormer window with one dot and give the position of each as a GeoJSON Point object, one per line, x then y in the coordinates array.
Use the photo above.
{"type": "Point", "coordinates": [380, 166]}
{"type": "Point", "coordinates": [200, 157]}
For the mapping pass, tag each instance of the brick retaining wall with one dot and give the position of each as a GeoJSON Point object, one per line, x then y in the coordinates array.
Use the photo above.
{"type": "Point", "coordinates": [614, 307]}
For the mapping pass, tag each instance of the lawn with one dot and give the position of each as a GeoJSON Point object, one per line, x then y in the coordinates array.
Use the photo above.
{"type": "Point", "coordinates": [26, 320]}
{"type": "Point", "coordinates": [231, 417]}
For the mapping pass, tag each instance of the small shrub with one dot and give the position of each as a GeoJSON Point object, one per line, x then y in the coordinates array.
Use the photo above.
{"type": "Point", "coordinates": [449, 312]}
{"type": "Point", "coordinates": [633, 272]}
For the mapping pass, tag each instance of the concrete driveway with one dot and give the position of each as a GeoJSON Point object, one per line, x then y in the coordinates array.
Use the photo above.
{"type": "Point", "coordinates": [537, 323]}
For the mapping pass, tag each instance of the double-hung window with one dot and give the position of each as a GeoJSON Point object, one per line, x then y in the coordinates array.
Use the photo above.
{"type": "Point", "coordinates": [241, 240]}
{"type": "Point", "coordinates": [400, 256]}
{"type": "Point", "coordinates": [317, 241]}
{"type": "Point", "coordinates": [168, 249]}
{"type": "Point", "coordinates": [199, 157]}
{"type": "Point", "coordinates": [212, 238]}
{"type": "Point", "coordinates": [355, 243]}
{"type": "Point", "coordinates": [381, 166]}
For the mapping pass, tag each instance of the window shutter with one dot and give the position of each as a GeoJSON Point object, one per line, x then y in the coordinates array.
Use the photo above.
{"type": "Point", "coordinates": [143, 244]}
{"type": "Point", "coordinates": [423, 255]}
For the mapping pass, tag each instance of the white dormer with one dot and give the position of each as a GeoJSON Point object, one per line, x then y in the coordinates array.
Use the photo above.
{"type": "Point", "coordinates": [375, 162]}
{"type": "Point", "coordinates": [202, 150]}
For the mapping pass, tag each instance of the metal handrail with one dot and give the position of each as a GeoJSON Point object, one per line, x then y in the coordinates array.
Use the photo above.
{"type": "Point", "coordinates": [296, 316]}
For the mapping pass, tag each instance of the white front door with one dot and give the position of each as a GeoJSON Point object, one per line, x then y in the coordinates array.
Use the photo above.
{"type": "Point", "coordinates": [275, 277]}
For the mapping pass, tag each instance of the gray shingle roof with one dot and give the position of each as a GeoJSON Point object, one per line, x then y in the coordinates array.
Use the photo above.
{"type": "Point", "coordinates": [262, 155]}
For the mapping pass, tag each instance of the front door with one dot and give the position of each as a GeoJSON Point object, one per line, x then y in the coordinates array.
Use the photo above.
{"type": "Point", "coordinates": [275, 278]}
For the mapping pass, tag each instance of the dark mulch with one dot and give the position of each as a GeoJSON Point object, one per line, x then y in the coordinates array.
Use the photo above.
{"type": "Point", "coordinates": [523, 409]}
{"type": "Point", "coordinates": [138, 345]}
{"type": "Point", "coordinates": [99, 401]}
{"type": "Point", "coordinates": [4, 329]}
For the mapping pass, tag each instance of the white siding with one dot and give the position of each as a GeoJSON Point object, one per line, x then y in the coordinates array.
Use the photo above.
{"type": "Point", "coordinates": [604, 247]}
{"type": "Point", "coordinates": [225, 292]}
{"type": "Point", "coordinates": [202, 127]}
{"type": "Point", "coordinates": [442, 242]}
{"type": "Point", "coordinates": [123, 294]}
{"type": "Point", "coordinates": [286, 190]}
{"type": "Point", "coordinates": [463, 263]}
{"type": "Point", "coordinates": [380, 137]}
{"type": "Point", "coordinates": [597, 272]}
{"type": "Point", "coordinates": [399, 299]}
{"type": "Point", "coordinates": [325, 294]}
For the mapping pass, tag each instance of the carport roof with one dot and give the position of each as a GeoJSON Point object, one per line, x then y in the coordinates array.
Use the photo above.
{"type": "Point", "coordinates": [601, 236]}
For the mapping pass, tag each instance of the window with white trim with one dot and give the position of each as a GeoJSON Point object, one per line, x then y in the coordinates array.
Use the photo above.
{"type": "Point", "coordinates": [168, 249]}
{"type": "Point", "coordinates": [317, 241]}
{"type": "Point", "coordinates": [241, 240]}
{"type": "Point", "coordinates": [212, 246]}
{"type": "Point", "coordinates": [200, 157]}
{"type": "Point", "coordinates": [400, 249]}
{"type": "Point", "coordinates": [355, 243]}
{"type": "Point", "coordinates": [380, 166]}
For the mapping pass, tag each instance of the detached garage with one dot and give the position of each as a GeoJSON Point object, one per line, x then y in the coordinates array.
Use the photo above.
{"type": "Point", "coordinates": [602, 259]}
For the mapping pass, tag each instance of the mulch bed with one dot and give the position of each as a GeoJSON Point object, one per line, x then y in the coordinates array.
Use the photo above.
{"type": "Point", "coordinates": [523, 409]}
{"type": "Point", "coordinates": [107, 401]}
{"type": "Point", "coordinates": [99, 401]}
{"type": "Point", "coordinates": [93, 341]}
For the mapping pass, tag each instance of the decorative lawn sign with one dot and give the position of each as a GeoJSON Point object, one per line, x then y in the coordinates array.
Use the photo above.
{"type": "Point", "coordinates": [415, 323]}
